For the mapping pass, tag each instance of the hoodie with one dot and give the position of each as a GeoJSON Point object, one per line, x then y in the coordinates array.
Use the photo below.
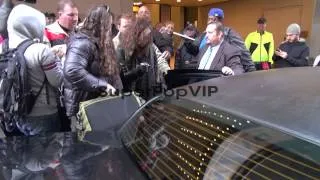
{"type": "Point", "coordinates": [41, 62]}
{"type": "Point", "coordinates": [298, 54]}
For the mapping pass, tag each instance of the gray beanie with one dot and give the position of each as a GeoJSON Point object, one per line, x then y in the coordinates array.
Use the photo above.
{"type": "Point", "coordinates": [293, 29]}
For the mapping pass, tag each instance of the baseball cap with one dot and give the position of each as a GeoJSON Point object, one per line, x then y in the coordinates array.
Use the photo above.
{"type": "Point", "coordinates": [217, 12]}
{"type": "Point", "coordinates": [262, 20]}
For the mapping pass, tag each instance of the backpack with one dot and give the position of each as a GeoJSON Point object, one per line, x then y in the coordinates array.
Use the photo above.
{"type": "Point", "coordinates": [16, 97]}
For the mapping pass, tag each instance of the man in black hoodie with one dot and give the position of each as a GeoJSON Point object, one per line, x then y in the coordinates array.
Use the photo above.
{"type": "Point", "coordinates": [293, 52]}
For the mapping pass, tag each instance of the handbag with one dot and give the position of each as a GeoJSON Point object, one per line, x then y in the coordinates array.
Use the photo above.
{"type": "Point", "coordinates": [106, 114]}
{"type": "Point", "coordinates": [265, 66]}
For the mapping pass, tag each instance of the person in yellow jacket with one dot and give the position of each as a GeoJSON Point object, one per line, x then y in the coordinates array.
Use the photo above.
{"type": "Point", "coordinates": [261, 46]}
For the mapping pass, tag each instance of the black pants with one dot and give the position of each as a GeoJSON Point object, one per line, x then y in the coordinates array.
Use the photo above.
{"type": "Point", "coordinates": [64, 120]}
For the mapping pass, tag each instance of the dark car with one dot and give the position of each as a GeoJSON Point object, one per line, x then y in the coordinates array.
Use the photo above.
{"type": "Point", "coordinates": [259, 125]}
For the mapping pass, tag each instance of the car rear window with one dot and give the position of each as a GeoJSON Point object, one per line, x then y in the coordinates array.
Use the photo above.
{"type": "Point", "coordinates": [182, 139]}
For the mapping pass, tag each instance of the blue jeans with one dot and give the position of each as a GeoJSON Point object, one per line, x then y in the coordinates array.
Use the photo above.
{"type": "Point", "coordinates": [40, 124]}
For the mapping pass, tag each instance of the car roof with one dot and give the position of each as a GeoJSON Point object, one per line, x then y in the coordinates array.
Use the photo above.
{"type": "Point", "coordinates": [287, 99]}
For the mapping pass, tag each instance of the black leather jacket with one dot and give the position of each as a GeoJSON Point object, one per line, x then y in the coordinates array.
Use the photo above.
{"type": "Point", "coordinates": [81, 70]}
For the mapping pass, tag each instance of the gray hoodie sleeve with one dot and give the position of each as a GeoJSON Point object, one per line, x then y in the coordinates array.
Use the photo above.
{"type": "Point", "coordinates": [51, 66]}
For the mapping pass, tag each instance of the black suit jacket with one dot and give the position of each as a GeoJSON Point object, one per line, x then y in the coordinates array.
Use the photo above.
{"type": "Point", "coordinates": [227, 55]}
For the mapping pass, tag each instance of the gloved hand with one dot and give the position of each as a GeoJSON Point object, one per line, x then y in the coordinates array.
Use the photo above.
{"type": "Point", "coordinates": [123, 68]}
{"type": "Point", "coordinates": [130, 76]}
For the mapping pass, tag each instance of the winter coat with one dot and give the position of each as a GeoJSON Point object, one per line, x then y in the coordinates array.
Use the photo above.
{"type": "Point", "coordinates": [83, 80]}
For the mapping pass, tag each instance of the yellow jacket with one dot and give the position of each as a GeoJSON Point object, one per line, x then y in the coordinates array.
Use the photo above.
{"type": "Point", "coordinates": [261, 46]}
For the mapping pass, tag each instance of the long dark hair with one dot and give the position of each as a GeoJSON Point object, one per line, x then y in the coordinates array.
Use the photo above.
{"type": "Point", "coordinates": [98, 25]}
{"type": "Point", "coordinates": [142, 24]}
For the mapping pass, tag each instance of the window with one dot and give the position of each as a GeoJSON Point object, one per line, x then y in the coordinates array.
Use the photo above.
{"type": "Point", "coordinates": [182, 139]}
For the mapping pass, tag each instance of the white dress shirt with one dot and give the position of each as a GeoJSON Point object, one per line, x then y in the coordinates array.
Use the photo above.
{"type": "Point", "coordinates": [208, 57]}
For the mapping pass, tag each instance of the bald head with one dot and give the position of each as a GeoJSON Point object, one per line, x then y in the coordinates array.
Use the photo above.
{"type": "Point", "coordinates": [144, 12]}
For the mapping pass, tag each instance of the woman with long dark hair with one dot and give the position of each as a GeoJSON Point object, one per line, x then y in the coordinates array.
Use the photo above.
{"type": "Point", "coordinates": [140, 70]}
{"type": "Point", "coordinates": [91, 67]}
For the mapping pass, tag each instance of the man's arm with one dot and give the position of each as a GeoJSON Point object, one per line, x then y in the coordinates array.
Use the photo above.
{"type": "Point", "coordinates": [234, 63]}
{"type": "Point", "coordinates": [193, 46]}
{"type": "Point", "coordinates": [233, 60]}
{"type": "Point", "coordinates": [51, 65]}
{"type": "Point", "coordinates": [300, 61]}
{"type": "Point", "coordinates": [235, 40]}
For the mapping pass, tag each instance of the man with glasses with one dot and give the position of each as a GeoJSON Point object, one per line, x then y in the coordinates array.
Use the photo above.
{"type": "Point", "coordinates": [293, 52]}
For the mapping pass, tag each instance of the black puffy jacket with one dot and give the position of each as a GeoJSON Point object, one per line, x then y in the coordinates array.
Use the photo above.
{"type": "Point", "coordinates": [83, 80]}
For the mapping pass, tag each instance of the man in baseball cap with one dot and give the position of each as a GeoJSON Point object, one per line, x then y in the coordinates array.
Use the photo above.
{"type": "Point", "coordinates": [215, 13]}
{"type": "Point", "coordinates": [260, 43]}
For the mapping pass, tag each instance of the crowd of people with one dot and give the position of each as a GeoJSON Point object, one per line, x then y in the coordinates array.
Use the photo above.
{"type": "Point", "coordinates": [76, 61]}
{"type": "Point", "coordinates": [255, 52]}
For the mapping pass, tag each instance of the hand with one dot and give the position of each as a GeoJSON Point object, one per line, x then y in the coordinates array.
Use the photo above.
{"type": "Point", "coordinates": [110, 90]}
{"type": "Point", "coordinates": [58, 51]}
{"type": "Point", "coordinates": [105, 88]}
{"type": "Point", "coordinates": [166, 55]}
{"type": "Point", "coordinates": [162, 30]}
{"type": "Point", "coordinates": [227, 71]}
{"type": "Point", "coordinates": [282, 54]}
